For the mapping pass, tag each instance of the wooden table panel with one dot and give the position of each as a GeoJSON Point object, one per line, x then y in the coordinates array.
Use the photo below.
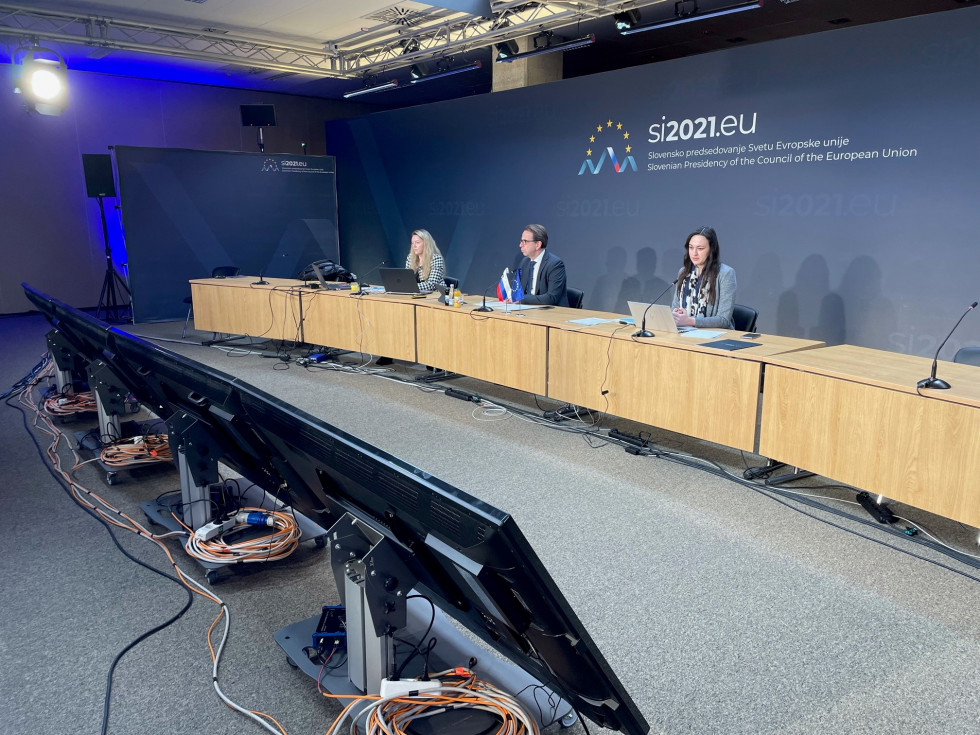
{"type": "Point", "coordinates": [496, 348]}
{"type": "Point", "coordinates": [914, 449]}
{"type": "Point", "coordinates": [372, 325]}
{"type": "Point", "coordinates": [709, 396]}
{"type": "Point", "coordinates": [237, 306]}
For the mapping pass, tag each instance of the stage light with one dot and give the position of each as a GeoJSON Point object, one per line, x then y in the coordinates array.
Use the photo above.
{"type": "Point", "coordinates": [690, 18]}
{"type": "Point", "coordinates": [43, 81]}
{"type": "Point", "coordinates": [626, 20]}
{"type": "Point", "coordinates": [506, 49]}
{"type": "Point", "coordinates": [390, 84]}
{"type": "Point", "coordinates": [563, 46]}
{"type": "Point", "coordinates": [446, 71]}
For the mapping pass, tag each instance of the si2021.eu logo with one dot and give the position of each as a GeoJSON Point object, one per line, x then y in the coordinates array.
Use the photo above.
{"type": "Point", "coordinates": [601, 149]}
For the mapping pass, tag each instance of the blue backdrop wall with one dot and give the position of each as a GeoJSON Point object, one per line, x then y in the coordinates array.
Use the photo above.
{"type": "Point", "coordinates": [839, 169]}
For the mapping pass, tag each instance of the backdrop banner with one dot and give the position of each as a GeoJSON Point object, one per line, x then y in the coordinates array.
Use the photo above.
{"type": "Point", "coordinates": [838, 168]}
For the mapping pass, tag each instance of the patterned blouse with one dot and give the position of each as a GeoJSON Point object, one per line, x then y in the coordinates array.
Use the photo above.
{"type": "Point", "coordinates": [694, 294]}
{"type": "Point", "coordinates": [437, 271]}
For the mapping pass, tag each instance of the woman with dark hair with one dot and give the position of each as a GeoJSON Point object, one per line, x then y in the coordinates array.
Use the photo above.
{"type": "Point", "coordinates": [705, 293]}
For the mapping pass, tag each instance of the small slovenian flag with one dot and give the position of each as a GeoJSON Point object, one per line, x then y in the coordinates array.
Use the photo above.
{"type": "Point", "coordinates": [510, 288]}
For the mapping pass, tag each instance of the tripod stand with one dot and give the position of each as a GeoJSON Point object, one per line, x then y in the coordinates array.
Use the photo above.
{"type": "Point", "coordinates": [108, 299]}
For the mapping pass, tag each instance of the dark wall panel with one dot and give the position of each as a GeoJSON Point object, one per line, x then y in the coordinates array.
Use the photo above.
{"type": "Point", "coordinates": [186, 212]}
{"type": "Point", "coordinates": [838, 168]}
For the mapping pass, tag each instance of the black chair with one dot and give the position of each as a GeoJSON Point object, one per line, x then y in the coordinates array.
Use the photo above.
{"type": "Point", "coordinates": [575, 297]}
{"type": "Point", "coordinates": [222, 271]}
{"type": "Point", "coordinates": [968, 356]}
{"type": "Point", "coordinates": [744, 318]}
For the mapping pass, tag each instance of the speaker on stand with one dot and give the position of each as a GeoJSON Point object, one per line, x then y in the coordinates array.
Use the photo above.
{"type": "Point", "coordinates": [99, 183]}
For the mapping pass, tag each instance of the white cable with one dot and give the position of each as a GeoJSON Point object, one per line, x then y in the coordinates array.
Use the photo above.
{"type": "Point", "coordinates": [217, 661]}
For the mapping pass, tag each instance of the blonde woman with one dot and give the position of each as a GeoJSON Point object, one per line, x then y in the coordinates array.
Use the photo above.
{"type": "Point", "coordinates": [425, 259]}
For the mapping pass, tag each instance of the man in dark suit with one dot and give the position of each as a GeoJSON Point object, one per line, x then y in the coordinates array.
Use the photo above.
{"type": "Point", "coordinates": [542, 273]}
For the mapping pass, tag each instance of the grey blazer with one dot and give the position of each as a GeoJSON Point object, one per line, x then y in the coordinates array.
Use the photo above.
{"type": "Point", "coordinates": [720, 312]}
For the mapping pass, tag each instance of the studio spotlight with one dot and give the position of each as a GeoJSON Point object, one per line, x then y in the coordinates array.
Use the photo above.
{"type": "Point", "coordinates": [506, 49]}
{"type": "Point", "coordinates": [626, 20]}
{"type": "Point", "coordinates": [418, 71]}
{"type": "Point", "coordinates": [41, 79]}
{"type": "Point", "coordinates": [410, 46]}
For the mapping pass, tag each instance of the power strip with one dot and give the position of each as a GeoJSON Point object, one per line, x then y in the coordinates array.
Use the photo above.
{"type": "Point", "coordinates": [406, 687]}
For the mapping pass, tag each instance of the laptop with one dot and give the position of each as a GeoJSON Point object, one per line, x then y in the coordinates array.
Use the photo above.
{"type": "Point", "coordinates": [399, 280]}
{"type": "Point", "coordinates": [328, 285]}
{"type": "Point", "coordinates": [659, 318]}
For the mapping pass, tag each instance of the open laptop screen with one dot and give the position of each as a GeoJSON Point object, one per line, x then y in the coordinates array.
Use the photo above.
{"type": "Point", "coordinates": [399, 280]}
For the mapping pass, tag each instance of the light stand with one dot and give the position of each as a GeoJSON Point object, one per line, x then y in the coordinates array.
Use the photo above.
{"type": "Point", "coordinates": [108, 298]}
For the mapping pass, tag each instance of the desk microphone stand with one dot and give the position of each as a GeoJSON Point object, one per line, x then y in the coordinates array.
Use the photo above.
{"type": "Point", "coordinates": [108, 298]}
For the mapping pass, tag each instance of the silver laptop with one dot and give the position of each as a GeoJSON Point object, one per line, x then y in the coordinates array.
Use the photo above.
{"type": "Point", "coordinates": [399, 280]}
{"type": "Point", "coordinates": [659, 318]}
{"type": "Point", "coordinates": [319, 275]}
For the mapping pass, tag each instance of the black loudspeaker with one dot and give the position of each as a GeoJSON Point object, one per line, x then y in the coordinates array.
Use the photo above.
{"type": "Point", "coordinates": [98, 174]}
{"type": "Point", "coordinates": [258, 116]}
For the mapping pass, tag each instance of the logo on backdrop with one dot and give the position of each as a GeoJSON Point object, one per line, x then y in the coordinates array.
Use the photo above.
{"type": "Point", "coordinates": [270, 164]}
{"type": "Point", "coordinates": [604, 140]}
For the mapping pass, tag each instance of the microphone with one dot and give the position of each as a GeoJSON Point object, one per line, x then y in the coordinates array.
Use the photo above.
{"type": "Point", "coordinates": [642, 331]}
{"type": "Point", "coordinates": [485, 307]}
{"type": "Point", "coordinates": [261, 281]}
{"type": "Point", "coordinates": [932, 381]}
{"type": "Point", "coordinates": [359, 280]}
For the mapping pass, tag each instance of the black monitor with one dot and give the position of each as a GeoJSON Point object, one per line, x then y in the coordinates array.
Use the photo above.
{"type": "Point", "coordinates": [258, 116]}
{"type": "Point", "coordinates": [468, 556]}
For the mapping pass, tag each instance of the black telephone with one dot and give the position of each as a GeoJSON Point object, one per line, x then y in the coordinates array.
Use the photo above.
{"type": "Point", "coordinates": [331, 272]}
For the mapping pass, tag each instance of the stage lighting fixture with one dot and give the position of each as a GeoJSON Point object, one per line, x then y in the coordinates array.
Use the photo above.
{"type": "Point", "coordinates": [410, 46]}
{"type": "Point", "coordinates": [42, 80]}
{"type": "Point", "coordinates": [685, 16]}
{"type": "Point", "coordinates": [390, 84]}
{"type": "Point", "coordinates": [547, 49]}
{"type": "Point", "coordinates": [626, 20]}
{"type": "Point", "coordinates": [506, 49]}
{"type": "Point", "coordinates": [446, 71]}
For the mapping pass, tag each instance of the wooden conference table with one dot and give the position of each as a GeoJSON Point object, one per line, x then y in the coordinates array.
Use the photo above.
{"type": "Point", "coordinates": [844, 412]}
{"type": "Point", "coordinates": [664, 381]}
{"type": "Point", "coordinates": [854, 414]}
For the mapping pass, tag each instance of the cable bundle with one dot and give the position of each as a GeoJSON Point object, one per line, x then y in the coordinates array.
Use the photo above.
{"type": "Point", "coordinates": [137, 450]}
{"type": "Point", "coordinates": [65, 405]}
{"type": "Point", "coordinates": [394, 715]}
{"type": "Point", "coordinates": [278, 544]}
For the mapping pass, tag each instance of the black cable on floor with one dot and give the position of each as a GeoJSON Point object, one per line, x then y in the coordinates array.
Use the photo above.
{"type": "Point", "coordinates": [147, 634]}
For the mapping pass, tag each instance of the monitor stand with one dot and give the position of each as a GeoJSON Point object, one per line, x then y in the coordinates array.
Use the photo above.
{"type": "Point", "coordinates": [378, 593]}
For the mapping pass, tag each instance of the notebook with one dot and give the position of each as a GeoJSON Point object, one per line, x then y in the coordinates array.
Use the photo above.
{"type": "Point", "coordinates": [659, 318]}
{"type": "Point", "coordinates": [328, 285]}
{"type": "Point", "coordinates": [399, 280]}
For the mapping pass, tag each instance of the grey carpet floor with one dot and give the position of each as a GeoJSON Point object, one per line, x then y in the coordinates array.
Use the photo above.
{"type": "Point", "coordinates": [720, 609]}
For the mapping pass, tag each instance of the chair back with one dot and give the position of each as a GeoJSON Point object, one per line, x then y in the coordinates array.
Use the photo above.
{"type": "Point", "coordinates": [968, 355]}
{"type": "Point", "coordinates": [744, 318]}
{"type": "Point", "coordinates": [225, 271]}
{"type": "Point", "coordinates": [575, 297]}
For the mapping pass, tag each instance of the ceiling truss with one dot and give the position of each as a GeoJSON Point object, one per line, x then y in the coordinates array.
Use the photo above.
{"type": "Point", "coordinates": [383, 47]}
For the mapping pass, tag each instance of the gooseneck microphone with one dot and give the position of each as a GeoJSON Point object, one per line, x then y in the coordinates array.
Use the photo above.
{"type": "Point", "coordinates": [261, 281]}
{"type": "Point", "coordinates": [361, 279]}
{"type": "Point", "coordinates": [485, 307]}
{"type": "Point", "coordinates": [642, 331]}
{"type": "Point", "coordinates": [932, 381]}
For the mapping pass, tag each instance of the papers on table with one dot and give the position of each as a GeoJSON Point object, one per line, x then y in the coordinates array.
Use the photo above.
{"type": "Point", "coordinates": [592, 321]}
{"type": "Point", "coordinates": [702, 333]}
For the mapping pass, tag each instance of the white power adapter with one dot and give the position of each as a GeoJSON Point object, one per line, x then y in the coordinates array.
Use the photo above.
{"type": "Point", "coordinates": [215, 528]}
{"type": "Point", "coordinates": [406, 687]}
